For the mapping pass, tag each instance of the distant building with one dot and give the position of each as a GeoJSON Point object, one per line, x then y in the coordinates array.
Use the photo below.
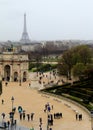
{"type": "Point", "coordinates": [31, 47]}
{"type": "Point", "coordinates": [27, 47]}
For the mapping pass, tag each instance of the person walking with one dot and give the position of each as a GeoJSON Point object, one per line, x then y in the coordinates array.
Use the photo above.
{"type": "Point", "coordinates": [20, 116]}
{"type": "Point", "coordinates": [23, 115]}
{"type": "Point", "coordinates": [32, 115]}
{"type": "Point", "coordinates": [2, 101]}
{"type": "Point", "coordinates": [28, 117]}
{"type": "Point", "coordinates": [40, 120]}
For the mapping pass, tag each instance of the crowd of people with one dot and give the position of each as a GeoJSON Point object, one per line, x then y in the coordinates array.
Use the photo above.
{"type": "Point", "coordinates": [48, 109]}
{"type": "Point", "coordinates": [23, 116]}
{"type": "Point", "coordinates": [49, 78]}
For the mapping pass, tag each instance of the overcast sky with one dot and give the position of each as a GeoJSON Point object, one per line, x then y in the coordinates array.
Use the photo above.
{"type": "Point", "coordinates": [47, 19]}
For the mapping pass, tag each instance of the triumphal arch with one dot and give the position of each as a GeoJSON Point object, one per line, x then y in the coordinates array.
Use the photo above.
{"type": "Point", "coordinates": [13, 67]}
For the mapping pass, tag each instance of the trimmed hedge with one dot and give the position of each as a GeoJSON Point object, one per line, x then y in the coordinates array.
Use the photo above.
{"type": "Point", "coordinates": [80, 95]}
{"type": "Point", "coordinates": [80, 89]}
{"type": "Point", "coordinates": [66, 85]}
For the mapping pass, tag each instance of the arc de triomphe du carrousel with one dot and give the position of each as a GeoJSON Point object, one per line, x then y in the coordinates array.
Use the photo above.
{"type": "Point", "coordinates": [13, 66]}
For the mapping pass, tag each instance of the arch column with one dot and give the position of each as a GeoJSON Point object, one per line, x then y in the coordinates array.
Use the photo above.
{"type": "Point", "coordinates": [20, 74]}
{"type": "Point", "coordinates": [15, 76]}
{"type": "Point", "coordinates": [2, 72]}
{"type": "Point", "coordinates": [11, 73]}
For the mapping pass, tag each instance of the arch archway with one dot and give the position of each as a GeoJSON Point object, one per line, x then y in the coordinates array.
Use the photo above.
{"type": "Point", "coordinates": [24, 76]}
{"type": "Point", "coordinates": [15, 76]}
{"type": "Point", "coordinates": [7, 73]}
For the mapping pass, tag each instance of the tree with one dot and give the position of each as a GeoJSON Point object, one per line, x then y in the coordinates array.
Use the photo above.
{"type": "Point", "coordinates": [66, 63]}
{"type": "Point", "coordinates": [84, 53]}
{"type": "Point", "coordinates": [78, 69]}
{"type": "Point", "coordinates": [90, 73]}
{"type": "Point", "coordinates": [79, 56]}
{"type": "Point", "coordinates": [63, 69]}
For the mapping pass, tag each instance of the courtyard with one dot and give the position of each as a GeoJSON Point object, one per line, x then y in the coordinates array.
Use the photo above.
{"type": "Point", "coordinates": [32, 100]}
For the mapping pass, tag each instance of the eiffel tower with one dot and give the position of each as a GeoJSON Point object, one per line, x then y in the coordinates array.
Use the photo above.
{"type": "Point", "coordinates": [25, 37]}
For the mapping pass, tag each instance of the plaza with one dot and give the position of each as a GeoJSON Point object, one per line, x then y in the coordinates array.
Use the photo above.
{"type": "Point", "coordinates": [33, 101]}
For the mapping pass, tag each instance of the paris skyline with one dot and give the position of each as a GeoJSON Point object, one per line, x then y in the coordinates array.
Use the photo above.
{"type": "Point", "coordinates": [46, 19]}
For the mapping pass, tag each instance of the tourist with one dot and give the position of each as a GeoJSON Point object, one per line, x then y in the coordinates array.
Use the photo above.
{"type": "Point", "coordinates": [60, 115]}
{"type": "Point", "coordinates": [32, 114]}
{"type": "Point", "coordinates": [40, 128]}
{"type": "Point", "coordinates": [6, 83]}
{"type": "Point", "coordinates": [52, 107]}
{"type": "Point", "coordinates": [3, 115]}
{"type": "Point", "coordinates": [8, 123]}
{"type": "Point", "coordinates": [28, 117]}
{"type": "Point", "coordinates": [45, 110]}
{"type": "Point", "coordinates": [48, 108]}
{"type": "Point", "coordinates": [23, 115]}
{"type": "Point", "coordinates": [20, 116]}
{"type": "Point", "coordinates": [80, 117]}
{"type": "Point", "coordinates": [40, 120]}
{"type": "Point", "coordinates": [2, 101]}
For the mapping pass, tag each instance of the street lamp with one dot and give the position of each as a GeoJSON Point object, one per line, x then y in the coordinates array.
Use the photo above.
{"type": "Point", "coordinates": [19, 73]}
{"type": "Point", "coordinates": [12, 99]}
